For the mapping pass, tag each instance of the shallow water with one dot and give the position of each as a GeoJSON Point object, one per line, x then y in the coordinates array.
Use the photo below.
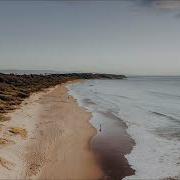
{"type": "Point", "coordinates": [150, 108]}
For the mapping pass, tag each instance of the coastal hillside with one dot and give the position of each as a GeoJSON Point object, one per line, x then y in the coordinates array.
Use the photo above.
{"type": "Point", "coordinates": [14, 88]}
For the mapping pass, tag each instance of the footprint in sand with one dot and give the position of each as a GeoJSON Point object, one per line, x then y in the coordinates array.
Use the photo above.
{"type": "Point", "coordinates": [6, 164]}
{"type": "Point", "coordinates": [1, 127]}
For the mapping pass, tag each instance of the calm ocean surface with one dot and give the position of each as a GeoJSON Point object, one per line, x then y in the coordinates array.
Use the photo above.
{"type": "Point", "coordinates": [150, 107]}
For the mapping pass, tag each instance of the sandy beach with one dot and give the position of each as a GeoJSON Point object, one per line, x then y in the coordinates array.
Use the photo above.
{"type": "Point", "coordinates": [52, 141]}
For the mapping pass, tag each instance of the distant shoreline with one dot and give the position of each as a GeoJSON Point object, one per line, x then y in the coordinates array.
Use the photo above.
{"type": "Point", "coordinates": [15, 88]}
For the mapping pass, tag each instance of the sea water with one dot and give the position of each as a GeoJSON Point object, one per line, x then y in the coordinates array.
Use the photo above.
{"type": "Point", "coordinates": [150, 107]}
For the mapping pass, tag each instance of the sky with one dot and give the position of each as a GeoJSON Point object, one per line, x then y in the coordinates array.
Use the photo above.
{"type": "Point", "coordinates": [132, 37]}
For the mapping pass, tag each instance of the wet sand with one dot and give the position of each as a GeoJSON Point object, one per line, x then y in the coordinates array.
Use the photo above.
{"type": "Point", "coordinates": [111, 144]}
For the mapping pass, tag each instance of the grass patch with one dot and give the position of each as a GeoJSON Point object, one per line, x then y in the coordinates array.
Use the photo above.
{"type": "Point", "coordinates": [16, 130]}
{"type": "Point", "coordinates": [4, 118]}
{"type": "Point", "coordinates": [4, 141]}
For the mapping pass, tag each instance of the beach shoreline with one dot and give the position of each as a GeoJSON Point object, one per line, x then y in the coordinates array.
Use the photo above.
{"type": "Point", "coordinates": [132, 142]}
{"type": "Point", "coordinates": [57, 141]}
{"type": "Point", "coordinates": [112, 142]}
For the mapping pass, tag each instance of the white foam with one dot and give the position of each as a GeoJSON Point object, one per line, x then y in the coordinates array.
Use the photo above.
{"type": "Point", "coordinates": [153, 157]}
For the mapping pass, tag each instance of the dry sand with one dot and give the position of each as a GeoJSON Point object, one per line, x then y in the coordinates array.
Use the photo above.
{"type": "Point", "coordinates": [57, 142]}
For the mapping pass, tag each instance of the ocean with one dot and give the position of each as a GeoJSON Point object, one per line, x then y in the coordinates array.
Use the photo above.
{"type": "Point", "coordinates": [138, 125]}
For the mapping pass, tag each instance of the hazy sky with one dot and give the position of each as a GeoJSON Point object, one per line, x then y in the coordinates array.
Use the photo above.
{"type": "Point", "coordinates": [130, 37]}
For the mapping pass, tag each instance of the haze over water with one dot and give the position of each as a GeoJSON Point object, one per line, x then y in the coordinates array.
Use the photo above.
{"type": "Point", "coordinates": [128, 36]}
